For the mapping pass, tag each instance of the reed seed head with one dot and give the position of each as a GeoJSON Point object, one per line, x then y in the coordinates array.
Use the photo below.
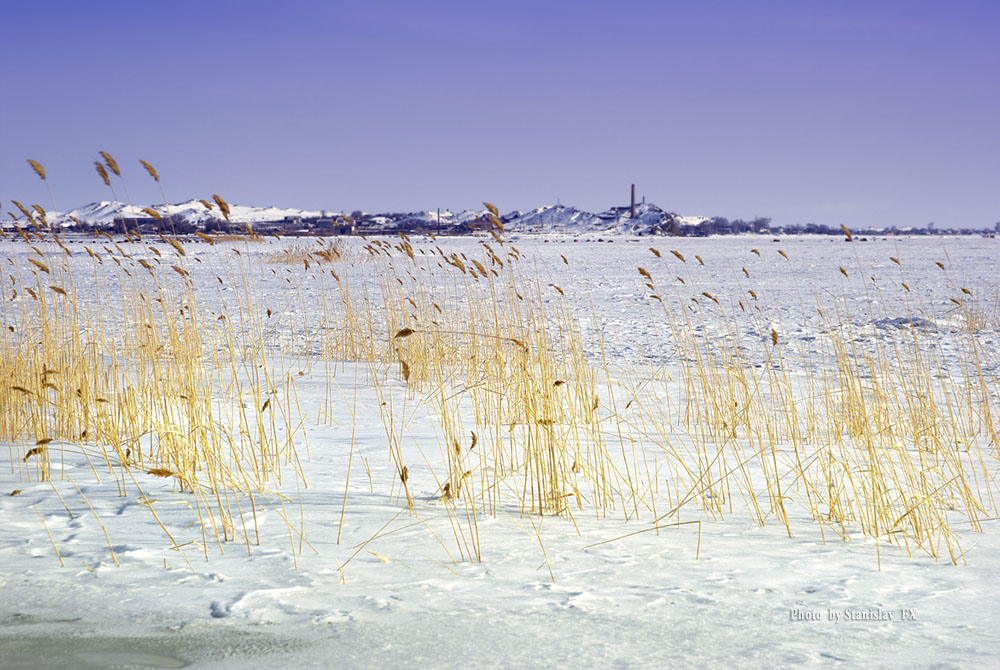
{"type": "Point", "coordinates": [111, 163]}
{"type": "Point", "coordinates": [103, 173]}
{"type": "Point", "coordinates": [150, 169]}
{"type": "Point", "coordinates": [37, 167]}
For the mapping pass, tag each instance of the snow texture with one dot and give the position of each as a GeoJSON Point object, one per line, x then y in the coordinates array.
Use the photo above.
{"type": "Point", "coordinates": [393, 593]}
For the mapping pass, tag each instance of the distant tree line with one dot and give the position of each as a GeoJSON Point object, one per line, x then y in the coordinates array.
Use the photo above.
{"type": "Point", "coordinates": [396, 222]}
{"type": "Point", "coordinates": [720, 225]}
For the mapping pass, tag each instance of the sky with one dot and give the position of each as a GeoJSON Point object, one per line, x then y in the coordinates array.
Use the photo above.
{"type": "Point", "coordinates": [854, 113]}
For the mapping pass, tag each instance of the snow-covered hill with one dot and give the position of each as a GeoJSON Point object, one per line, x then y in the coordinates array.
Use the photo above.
{"type": "Point", "coordinates": [105, 213]}
{"type": "Point", "coordinates": [552, 218]}
{"type": "Point", "coordinates": [563, 219]}
{"type": "Point", "coordinates": [649, 220]}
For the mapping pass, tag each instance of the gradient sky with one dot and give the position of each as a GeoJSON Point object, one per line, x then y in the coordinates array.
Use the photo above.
{"type": "Point", "coordinates": [856, 113]}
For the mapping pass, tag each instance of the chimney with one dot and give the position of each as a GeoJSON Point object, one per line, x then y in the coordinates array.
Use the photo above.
{"type": "Point", "coordinates": [633, 201]}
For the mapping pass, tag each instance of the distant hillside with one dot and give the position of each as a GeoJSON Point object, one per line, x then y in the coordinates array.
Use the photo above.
{"type": "Point", "coordinates": [106, 213]}
{"type": "Point", "coordinates": [649, 220]}
{"type": "Point", "coordinates": [197, 215]}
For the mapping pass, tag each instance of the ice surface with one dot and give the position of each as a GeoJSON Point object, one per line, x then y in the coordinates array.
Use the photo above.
{"type": "Point", "coordinates": [548, 591]}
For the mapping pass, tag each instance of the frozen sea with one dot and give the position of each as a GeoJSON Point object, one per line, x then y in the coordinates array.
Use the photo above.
{"type": "Point", "coordinates": [401, 589]}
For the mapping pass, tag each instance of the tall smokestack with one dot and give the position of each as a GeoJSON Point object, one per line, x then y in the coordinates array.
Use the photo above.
{"type": "Point", "coordinates": [633, 201]}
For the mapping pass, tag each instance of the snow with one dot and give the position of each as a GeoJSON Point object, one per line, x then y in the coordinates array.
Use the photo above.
{"type": "Point", "coordinates": [692, 220]}
{"type": "Point", "coordinates": [105, 212]}
{"type": "Point", "coordinates": [555, 218]}
{"type": "Point", "coordinates": [552, 219]}
{"type": "Point", "coordinates": [399, 588]}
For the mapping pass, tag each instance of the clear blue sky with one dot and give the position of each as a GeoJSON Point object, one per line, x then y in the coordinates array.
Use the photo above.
{"type": "Point", "coordinates": [856, 113]}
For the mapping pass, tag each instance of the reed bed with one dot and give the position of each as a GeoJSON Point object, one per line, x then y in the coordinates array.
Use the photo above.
{"type": "Point", "coordinates": [182, 365]}
{"type": "Point", "coordinates": [142, 382]}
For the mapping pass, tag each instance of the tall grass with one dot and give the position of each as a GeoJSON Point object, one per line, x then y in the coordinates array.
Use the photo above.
{"type": "Point", "coordinates": [128, 375]}
{"type": "Point", "coordinates": [180, 365]}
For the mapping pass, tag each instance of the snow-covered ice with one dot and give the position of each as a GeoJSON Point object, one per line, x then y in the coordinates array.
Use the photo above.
{"type": "Point", "coordinates": [400, 588]}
